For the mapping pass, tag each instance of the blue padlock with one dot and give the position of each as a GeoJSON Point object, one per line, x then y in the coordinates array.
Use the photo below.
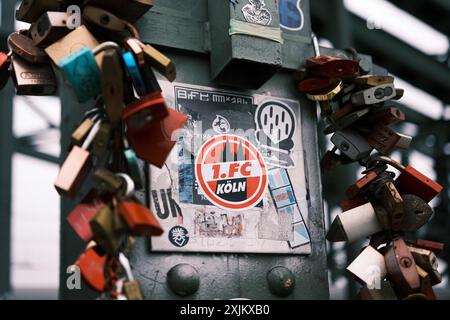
{"type": "Point", "coordinates": [134, 73]}
{"type": "Point", "coordinates": [82, 71]}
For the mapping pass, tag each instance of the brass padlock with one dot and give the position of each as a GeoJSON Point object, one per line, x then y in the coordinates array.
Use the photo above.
{"type": "Point", "coordinates": [49, 28]}
{"type": "Point", "coordinates": [107, 181]}
{"type": "Point", "coordinates": [373, 80]}
{"type": "Point", "coordinates": [107, 227]}
{"type": "Point", "coordinates": [33, 79]}
{"type": "Point", "coordinates": [25, 48]}
{"type": "Point", "coordinates": [81, 132]}
{"type": "Point", "coordinates": [112, 83]}
{"type": "Point", "coordinates": [30, 10]}
{"type": "Point", "coordinates": [75, 40]}
{"type": "Point", "coordinates": [101, 141]}
{"type": "Point", "coordinates": [132, 290]}
{"type": "Point", "coordinates": [107, 20]}
{"type": "Point", "coordinates": [160, 62]}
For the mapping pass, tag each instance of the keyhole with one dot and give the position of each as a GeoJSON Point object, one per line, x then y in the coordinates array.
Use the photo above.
{"type": "Point", "coordinates": [405, 262]}
{"type": "Point", "coordinates": [104, 19]}
{"type": "Point", "coordinates": [418, 212]}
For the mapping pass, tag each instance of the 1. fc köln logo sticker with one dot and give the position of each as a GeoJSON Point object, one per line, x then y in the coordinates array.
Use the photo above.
{"type": "Point", "coordinates": [231, 172]}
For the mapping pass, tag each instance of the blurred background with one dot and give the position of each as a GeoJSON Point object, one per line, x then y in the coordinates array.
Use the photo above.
{"type": "Point", "coordinates": [408, 38]}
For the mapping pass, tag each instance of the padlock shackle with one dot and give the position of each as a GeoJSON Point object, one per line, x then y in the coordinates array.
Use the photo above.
{"type": "Point", "coordinates": [106, 46]}
{"type": "Point", "coordinates": [91, 136]}
{"type": "Point", "coordinates": [126, 266]}
{"type": "Point", "coordinates": [129, 183]}
{"type": "Point", "coordinates": [387, 160]}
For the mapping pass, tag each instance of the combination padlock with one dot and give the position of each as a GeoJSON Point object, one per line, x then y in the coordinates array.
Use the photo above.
{"type": "Point", "coordinates": [32, 79]}
{"type": "Point", "coordinates": [49, 28]}
{"type": "Point", "coordinates": [92, 264]}
{"type": "Point", "coordinates": [82, 71]}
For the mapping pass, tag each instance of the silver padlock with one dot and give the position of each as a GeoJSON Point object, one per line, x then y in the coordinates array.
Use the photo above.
{"type": "Point", "coordinates": [351, 144]}
{"type": "Point", "coordinates": [374, 95]}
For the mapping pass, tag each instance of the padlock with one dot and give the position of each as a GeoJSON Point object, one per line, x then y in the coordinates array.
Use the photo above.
{"type": "Point", "coordinates": [134, 45]}
{"type": "Point", "coordinates": [81, 132]}
{"type": "Point", "coordinates": [384, 293]}
{"type": "Point", "coordinates": [313, 84]}
{"type": "Point", "coordinates": [30, 10]}
{"type": "Point", "coordinates": [5, 62]}
{"type": "Point", "coordinates": [373, 80]}
{"type": "Point", "coordinates": [374, 95]}
{"type": "Point", "coordinates": [426, 287]}
{"type": "Point", "coordinates": [384, 139]}
{"type": "Point", "coordinates": [107, 20]}
{"type": "Point", "coordinates": [131, 286]}
{"type": "Point", "coordinates": [398, 94]}
{"type": "Point", "coordinates": [32, 79]}
{"type": "Point", "coordinates": [74, 41]}
{"type": "Point", "coordinates": [108, 229]}
{"type": "Point", "coordinates": [347, 120]}
{"type": "Point", "coordinates": [401, 268]}
{"type": "Point", "coordinates": [25, 48]}
{"type": "Point", "coordinates": [76, 166]}
{"type": "Point", "coordinates": [349, 204]}
{"type": "Point", "coordinates": [332, 67]}
{"type": "Point", "coordinates": [49, 28]}
{"type": "Point", "coordinates": [387, 116]}
{"type": "Point", "coordinates": [354, 224]}
{"type": "Point", "coordinates": [383, 216]}
{"type": "Point", "coordinates": [130, 10]}
{"type": "Point", "coordinates": [392, 201]}
{"type": "Point", "coordinates": [143, 113]}
{"type": "Point", "coordinates": [101, 141]}
{"type": "Point", "coordinates": [82, 71]}
{"type": "Point", "coordinates": [155, 143]}
{"type": "Point", "coordinates": [352, 144]}
{"type": "Point", "coordinates": [342, 112]}
{"type": "Point", "coordinates": [92, 265]}
{"type": "Point", "coordinates": [133, 169]}
{"type": "Point", "coordinates": [107, 180]}
{"type": "Point", "coordinates": [140, 220]}
{"type": "Point", "coordinates": [150, 81]}
{"type": "Point", "coordinates": [427, 260]}
{"type": "Point", "coordinates": [112, 83]}
{"type": "Point", "coordinates": [134, 73]}
{"type": "Point", "coordinates": [410, 181]}
{"type": "Point", "coordinates": [355, 189]}
{"type": "Point", "coordinates": [368, 267]}
{"type": "Point", "coordinates": [416, 212]}
{"type": "Point", "coordinates": [159, 61]}
{"type": "Point", "coordinates": [83, 213]}
{"type": "Point", "coordinates": [326, 94]}
{"type": "Point", "coordinates": [434, 246]}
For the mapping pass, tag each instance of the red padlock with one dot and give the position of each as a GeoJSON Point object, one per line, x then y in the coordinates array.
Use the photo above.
{"type": "Point", "coordinates": [309, 85]}
{"type": "Point", "coordinates": [92, 267]}
{"type": "Point", "coordinates": [155, 142]}
{"type": "Point", "coordinates": [354, 190]}
{"type": "Point", "coordinates": [83, 213]}
{"type": "Point", "coordinates": [140, 219]}
{"type": "Point", "coordinates": [411, 181]}
{"type": "Point", "coordinates": [4, 69]}
{"type": "Point", "coordinates": [332, 67]}
{"type": "Point", "coordinates": [140, 114]}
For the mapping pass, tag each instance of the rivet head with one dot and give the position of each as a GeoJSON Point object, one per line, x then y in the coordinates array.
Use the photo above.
{"type": "Point", "coordinates": [183, 279]}
{"type": "Point", "coordinates": [281, 281]}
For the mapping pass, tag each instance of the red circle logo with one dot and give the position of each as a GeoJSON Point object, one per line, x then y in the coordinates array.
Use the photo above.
{"type": "Point", "coordinates": [231, 172]}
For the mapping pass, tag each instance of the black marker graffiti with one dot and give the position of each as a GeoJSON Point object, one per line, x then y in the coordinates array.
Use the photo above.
{"type": "Point", "coordinates": [167, 200]}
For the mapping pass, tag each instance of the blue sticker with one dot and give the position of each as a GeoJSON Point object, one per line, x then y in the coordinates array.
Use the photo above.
{"type": "Point", "coordinates": [291, 15]}
{"type": "Point", "coordinates": [283, 197]}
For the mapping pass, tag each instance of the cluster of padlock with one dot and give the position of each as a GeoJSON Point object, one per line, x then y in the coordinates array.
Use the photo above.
{"type": "Point", "coordinates": [106, 64]}
{"type": "Point", "coordinates": [379, 206]}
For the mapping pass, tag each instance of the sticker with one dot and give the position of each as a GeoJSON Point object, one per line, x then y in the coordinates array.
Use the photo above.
{"type": "Point", "coordinates": [255, 12]}
{"type": "Point", "coordinates": [178, 236]}
{"type": "Point", "coordinates": [214, 224]}
{"type": "Point", "coordinates": [276, 125]}
{"type": "Point", "coordinates": [301, 235]}
{"type": "Point", "coordinates": [283, 197]}
{"type": "Point", "coordinates": [291, 15]}
{"type": "Point", "coordinates": [221, 125]}
{"type": "Point", "coordinates": [231, 172]}
{"type": "Point", "coordinates": [292, 211]}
